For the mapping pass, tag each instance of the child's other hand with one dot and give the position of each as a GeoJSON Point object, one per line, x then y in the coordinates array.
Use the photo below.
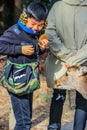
{"type": "Point", "coordinates": [28, 50]}
{"type": "Point", "coordinates": [43, 44]}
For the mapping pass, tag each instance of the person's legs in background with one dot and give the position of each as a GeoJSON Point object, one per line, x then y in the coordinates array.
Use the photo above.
{"type": "Point", "coordinates": [22, 108]}
{"type": "Point", "coordinates": [56, 109]}
{"type": "Point", "coordinates": [80, 113]}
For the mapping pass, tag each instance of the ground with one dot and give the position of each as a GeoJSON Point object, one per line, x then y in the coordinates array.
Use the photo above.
{"type": "Point", "coordinates": [4, 109]}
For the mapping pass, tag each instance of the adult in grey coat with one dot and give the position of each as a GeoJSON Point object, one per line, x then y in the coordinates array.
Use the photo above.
{"type": "Point", "coordinates": [67, 31]}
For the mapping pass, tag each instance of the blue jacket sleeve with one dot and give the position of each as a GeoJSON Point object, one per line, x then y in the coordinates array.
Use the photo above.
{"type": "Point", "coordinates": [8, 44]}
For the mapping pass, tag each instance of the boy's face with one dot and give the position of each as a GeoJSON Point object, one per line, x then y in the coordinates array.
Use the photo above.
{"type": "Point", "coordinates": [35, 25]}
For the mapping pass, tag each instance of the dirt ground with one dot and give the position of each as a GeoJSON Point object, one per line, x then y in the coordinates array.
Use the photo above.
{"type": "Point", "coordinates": [41, 105]}
{"type": "Point", "coordinates": [4, 109]}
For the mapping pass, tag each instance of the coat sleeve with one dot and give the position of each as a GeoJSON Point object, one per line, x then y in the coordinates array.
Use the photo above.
{"type": "Point", "coordinates": [55, 43]}
{"type": "Point", "coordinates": [7, 47]}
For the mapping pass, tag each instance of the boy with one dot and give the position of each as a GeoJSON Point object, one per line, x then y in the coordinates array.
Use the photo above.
{"type": "Point", "coordinates": [20, 43]}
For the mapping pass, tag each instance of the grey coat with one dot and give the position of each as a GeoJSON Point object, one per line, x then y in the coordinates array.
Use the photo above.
{"type": "Point", "coordinates": [67, 31]}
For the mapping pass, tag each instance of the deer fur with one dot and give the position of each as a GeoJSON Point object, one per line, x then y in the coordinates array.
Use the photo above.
{"type": "Point", "coordinates": [74, 79]}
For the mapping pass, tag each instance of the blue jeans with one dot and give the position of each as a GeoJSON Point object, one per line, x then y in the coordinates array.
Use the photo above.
{"type": "Point", "coordinates": [22, 108]}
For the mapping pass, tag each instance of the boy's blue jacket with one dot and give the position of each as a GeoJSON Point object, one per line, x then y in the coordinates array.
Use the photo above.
{"type": "Point", "coordinates": [13, 39]}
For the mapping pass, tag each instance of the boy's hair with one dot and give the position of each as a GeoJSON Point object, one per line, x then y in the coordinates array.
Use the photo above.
{"type": "Point", "coordinates": [36, 10]}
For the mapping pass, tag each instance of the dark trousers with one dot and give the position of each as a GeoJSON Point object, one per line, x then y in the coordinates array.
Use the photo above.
{"type": "Point", "coordinates": [22, 108]}
{"type": "Point", "coordinates": [56, 107]}
{"type": "Point", "coordinates": [81, 102]}
{"type": "Point", "coordinates": [80, 113]}
{"type": "Point", "coordinates": [57, 103]}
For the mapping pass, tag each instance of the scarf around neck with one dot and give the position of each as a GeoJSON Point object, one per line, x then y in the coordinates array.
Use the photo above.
{"type": "Point", "coordinates": [26, 29]}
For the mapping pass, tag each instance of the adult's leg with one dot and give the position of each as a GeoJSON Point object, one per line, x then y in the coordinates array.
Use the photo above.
{"type": "Point", "coordinates": [22, 111]}
{"type": "Point", "coordinates": [80, 113]}
{"type": "Point", "coordinates": [56, 109]}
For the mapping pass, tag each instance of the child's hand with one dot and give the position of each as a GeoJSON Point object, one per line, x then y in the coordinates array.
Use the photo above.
{"type": "Point", "coordinates": [43, 41]}
{"type": "Point", "coordinates": [43, 44]}
{"type": "Point", "coordinates": [28, 50]}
